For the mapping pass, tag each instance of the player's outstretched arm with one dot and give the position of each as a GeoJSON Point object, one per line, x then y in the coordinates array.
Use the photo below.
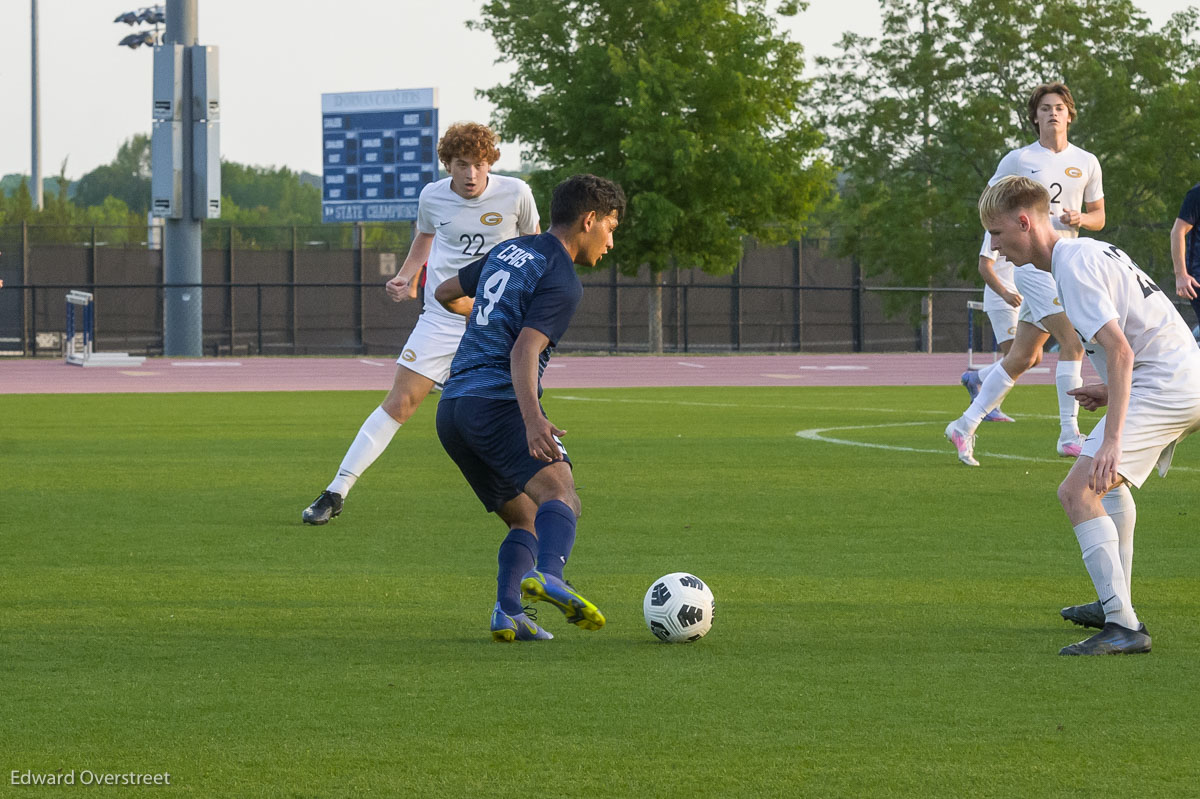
{"type": "Point", "coordinates": [987, 270]}
{"type": "Point", "coordinates": [452, 297]}
{"type": "Point", "coordinates": [404, 285]}
{"type": "Point", "coordinates": [1185, 285]}
{"type": "Point", "coordinates": [523, 363]}
{"type": "Point", "coordinates": [1091, 219]}
{"type": "Point", "coordinates": [1091, 397]}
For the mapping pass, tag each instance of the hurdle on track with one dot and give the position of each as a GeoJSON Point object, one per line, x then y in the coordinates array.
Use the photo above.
{"type": "Point", "coordinates": [80, 338]}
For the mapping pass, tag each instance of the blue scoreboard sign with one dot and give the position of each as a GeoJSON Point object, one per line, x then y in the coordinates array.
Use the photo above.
{"type": "Point", "coordinates": [379, 151]}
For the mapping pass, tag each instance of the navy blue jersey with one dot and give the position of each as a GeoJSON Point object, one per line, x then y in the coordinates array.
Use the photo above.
{"type": "Point", "coordinates": [528, 281]}
{"type": "Point", "coordinates": [1190, 213]}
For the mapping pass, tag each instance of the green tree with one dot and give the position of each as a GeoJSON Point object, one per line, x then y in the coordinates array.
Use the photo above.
{"type": "Point", "coordinates": [127, 178]}
{"type": "Point", "coordinates": [694, 108]}
{"type": "Point", "coordinates": [919, 117]}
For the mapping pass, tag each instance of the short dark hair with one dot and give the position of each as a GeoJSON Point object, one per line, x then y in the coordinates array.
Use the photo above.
{"type": "Point", "coordinates": [579, 194]}
{"type": "Point", "coordinates": [1057, 87]}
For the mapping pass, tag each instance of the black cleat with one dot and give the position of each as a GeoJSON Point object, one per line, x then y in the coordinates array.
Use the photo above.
{"type": "Point", "coordinates": [1089, 615]}
{"type": "Point", "coordinates": [324, 508]}
{"type": "Point", "coordinates": [1112, 640]}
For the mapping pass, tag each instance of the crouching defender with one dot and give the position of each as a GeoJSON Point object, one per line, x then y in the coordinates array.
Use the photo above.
{"type": "Point", "coordinates": [1150, 366]}
{"type": "Point", "coordinates": [490, 419]}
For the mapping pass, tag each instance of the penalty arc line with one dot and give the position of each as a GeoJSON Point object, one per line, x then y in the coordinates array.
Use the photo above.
{"type": "Point", "coordinates": [817, 434]}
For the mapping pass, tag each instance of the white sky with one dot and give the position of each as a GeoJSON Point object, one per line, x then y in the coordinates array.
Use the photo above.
{"type": "Point", "coordinates": [277, 57]}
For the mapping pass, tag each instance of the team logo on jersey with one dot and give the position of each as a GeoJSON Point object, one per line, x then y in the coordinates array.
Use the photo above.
{"type": "Point", "coordinates": [1056, 302]}
{"type": "Point", "coordinates": [408, 355]}
{"type": "Point", "coordinates": [1073, 172]}
{"type": "Point", "coordinates": [491, 219]}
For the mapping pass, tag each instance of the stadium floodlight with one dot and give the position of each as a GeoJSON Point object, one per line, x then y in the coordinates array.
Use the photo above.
{"type": "Point", "coordinates": [129, 18]}
{"type": "Point", "coordinates": [135, 40]}
{"type": "Point", "coordinates": [154, 15]}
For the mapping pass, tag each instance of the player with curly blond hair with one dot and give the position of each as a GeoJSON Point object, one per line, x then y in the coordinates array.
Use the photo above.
{"type": "Point", "coordinates": [459, 219]}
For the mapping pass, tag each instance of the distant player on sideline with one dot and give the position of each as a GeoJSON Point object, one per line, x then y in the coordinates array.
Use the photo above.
{"type": "Point", "coordinates": [490, 419]}
{"type": "Point", "coordinates": [1150, 366]}
{"type": "Point", "coordinates": [1185, 249]}
{"type": "Point", "coordinates": [1072, 177]}
{"type": "Point", "coordinates": [459, 218]}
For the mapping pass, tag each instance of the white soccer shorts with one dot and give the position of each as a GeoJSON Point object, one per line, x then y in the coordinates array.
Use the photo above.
{"type": "Point", "coordinates": [1154, 424]}
{"type": "Point", "coordinates": [1004, 322]}
{"type": "Point", "coordinates": [431, 346]}
{"type": "Point", "coordinates": [1039, 295]}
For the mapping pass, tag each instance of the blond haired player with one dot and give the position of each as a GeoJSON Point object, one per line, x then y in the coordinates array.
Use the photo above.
{"type": "Point", "coordinates": [1072, 179]}
{"type": "Point", "coordinates": [459, 218]}
{"type": "Point", "coordinates": [1150, 366]}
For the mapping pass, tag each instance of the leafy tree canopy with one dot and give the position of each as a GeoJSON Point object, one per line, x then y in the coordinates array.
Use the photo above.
{"type": "Point", "coordinates": [694, 108]}
{"type": "Point", "coordinates": [919, 117]}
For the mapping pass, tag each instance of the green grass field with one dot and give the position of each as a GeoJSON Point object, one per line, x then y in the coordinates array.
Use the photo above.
{"type": "Point", "coordinates": [887, 620]}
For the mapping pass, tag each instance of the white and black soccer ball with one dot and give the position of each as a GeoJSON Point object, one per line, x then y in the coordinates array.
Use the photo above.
{"type": "Point", "coordinates": [679, 608]}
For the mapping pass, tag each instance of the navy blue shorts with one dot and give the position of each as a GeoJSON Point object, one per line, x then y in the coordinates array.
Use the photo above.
{"type": "Point", "coordinates": [486, 438]}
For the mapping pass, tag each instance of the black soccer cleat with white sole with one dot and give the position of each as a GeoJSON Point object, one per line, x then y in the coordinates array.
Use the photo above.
{"type": "Point", "coordinates": [1089, 615]}
{"type": "Point", "coordinates": [1112, 640]}
{"type": "Point", "coordinates": [324, 508]}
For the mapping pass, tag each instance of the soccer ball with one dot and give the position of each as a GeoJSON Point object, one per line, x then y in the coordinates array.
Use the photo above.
{"type": "Point", "coordinates": [679, 608]}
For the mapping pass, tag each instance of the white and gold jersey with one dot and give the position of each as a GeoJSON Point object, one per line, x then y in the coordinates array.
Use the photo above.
{"type": "Point", "coordinates": [464, 230]}
{"type": "Point", "coordinates": [1097, 283]}
{"type": "Point", "coordinates": [1072, 178]}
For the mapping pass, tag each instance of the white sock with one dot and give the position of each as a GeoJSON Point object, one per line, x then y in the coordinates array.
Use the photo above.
{"type": "Point", "coordinates": [985, 371]}
{"type": "Point", "coordinates": [372, 439]}
{"type": "Point", "coordinates": [1119, 505]}
{"type": "Point", "coordinates": [1068, 375]}
{"type": "Point", "coordinates": [1098, 540]}
{"type": "Point", "coordinates": [995, 387]}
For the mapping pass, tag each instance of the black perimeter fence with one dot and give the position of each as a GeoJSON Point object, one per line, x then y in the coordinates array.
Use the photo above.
{"type": "Point", "coordinates": [319, 291]}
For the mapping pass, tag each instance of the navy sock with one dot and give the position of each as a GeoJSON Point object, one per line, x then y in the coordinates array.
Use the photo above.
{"type": "Point", "coordinates": [555, 524]}
{"type": "Point", "coordinates": [516, 557]}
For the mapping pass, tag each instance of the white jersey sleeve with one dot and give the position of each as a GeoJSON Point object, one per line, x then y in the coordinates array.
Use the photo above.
{"type": "Point", "coordinates": [1097, 284]}
{"type": "Point", "coordinates": [1009, 165]}
{"type": "Point", "coordinates": [425, 223]}
{"type": "Point", "coordinates": [1095, 184]}
{"type": "Point", "coordinates": [527, 212]}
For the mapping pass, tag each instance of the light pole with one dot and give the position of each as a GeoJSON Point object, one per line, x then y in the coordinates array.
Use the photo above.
{"type": "Point", "coordinates": [36, 176]}
{"type": "Point", "coordinates": [185, 181]}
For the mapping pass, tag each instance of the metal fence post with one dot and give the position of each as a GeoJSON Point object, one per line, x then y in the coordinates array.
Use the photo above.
{"type": "Point", "coordinates": [258, 299]}
{"type": "Point", "coordinates": [736, 309]}
{"type": "Point", "coordinates": [856, 306]}
{"type": "Point", "coordinates": [292, 289]}
{"type": "Point", "coordinates": [797, 276]}
{"type": "Point", "coordinates": [28, 342]}
{"type": "Point", "coordinates": [229, 272]}
{"type": "Point", "coordinates": [614, 309]}
{"type": "Point", "coordinates": [359, 236]}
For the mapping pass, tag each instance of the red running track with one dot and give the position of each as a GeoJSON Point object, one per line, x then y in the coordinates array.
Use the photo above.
{"type": "Point", "coordinates": [41, 376]}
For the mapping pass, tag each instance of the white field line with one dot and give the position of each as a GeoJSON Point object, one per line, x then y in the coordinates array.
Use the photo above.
{"type": "Point", "coordinates": [841, 408]}
{"type": "Point", "coordinates": [818, 434]}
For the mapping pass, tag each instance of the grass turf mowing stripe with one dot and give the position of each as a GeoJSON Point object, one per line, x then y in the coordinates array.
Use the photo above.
{"type": "Point", "coordinates": [887, 621]}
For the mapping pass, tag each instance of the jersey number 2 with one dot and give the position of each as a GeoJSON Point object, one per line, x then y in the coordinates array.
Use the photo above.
{"type": "Point", "coordinates": [492, 290]}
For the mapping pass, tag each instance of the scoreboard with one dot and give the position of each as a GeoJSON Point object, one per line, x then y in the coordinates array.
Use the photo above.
{"type": "Point", "coordinates": [379, 149]}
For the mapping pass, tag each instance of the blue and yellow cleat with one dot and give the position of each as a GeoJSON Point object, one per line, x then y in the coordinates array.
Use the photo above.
{"type": "Point", "coordinates": [536, 586]}
{"type": "Point", "coordinates": [520, 627]}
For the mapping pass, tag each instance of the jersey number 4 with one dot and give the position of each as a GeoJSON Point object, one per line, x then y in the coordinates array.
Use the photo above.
{"type": "Point", "coordinates": [492, 290]}
{"type": "Point", "coordinates": [1147, 285]}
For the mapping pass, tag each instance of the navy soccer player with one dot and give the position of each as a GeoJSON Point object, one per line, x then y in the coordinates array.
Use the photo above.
{"type": "Point", "coordinates": [490, 419]}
